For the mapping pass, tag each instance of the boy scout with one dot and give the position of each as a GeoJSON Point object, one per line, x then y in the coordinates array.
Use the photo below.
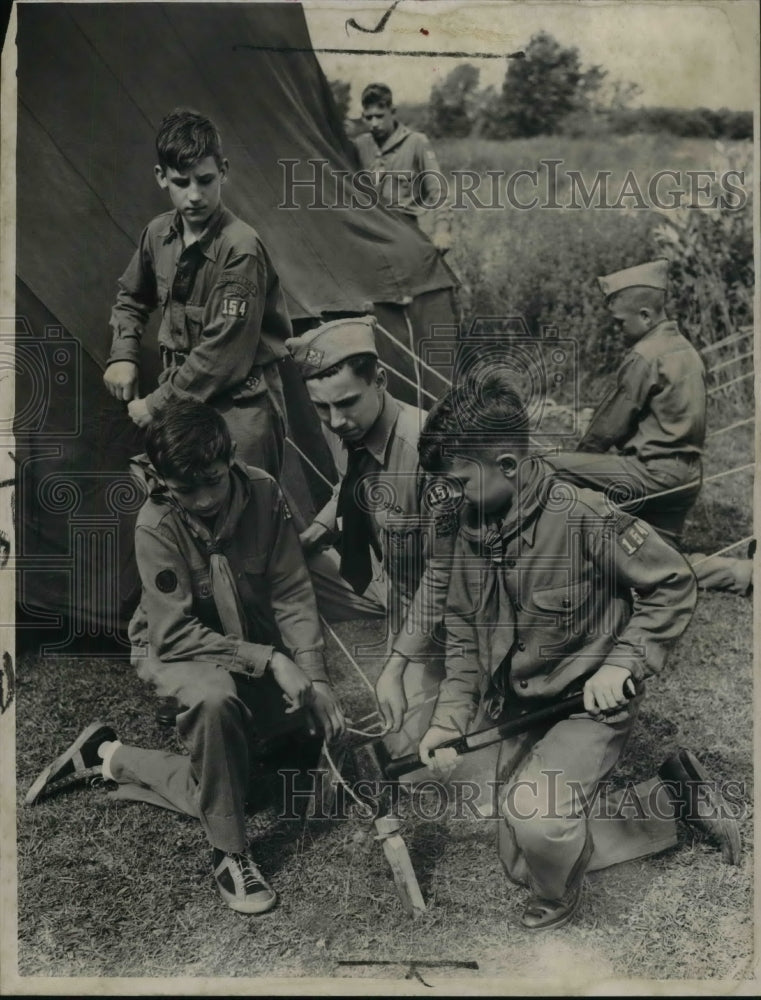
{"type": "Point", "coordinates": [406, 171]}
{"type": "Point", "coordinates": [555, 591]}
{"type": "Point", "coordinates": [655, 415]}
{"type": "Point", "coordinates": [397, 528]}
{"type": "Point", "coordinates": [227, 616]}
{"type": "Point", "coordinates": [223, 315]}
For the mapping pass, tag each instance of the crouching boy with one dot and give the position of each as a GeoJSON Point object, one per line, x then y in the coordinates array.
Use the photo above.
{"type": "Point", "coordinates": [227, 615]}
{"type": "Point", "coordinates": [553, 592]}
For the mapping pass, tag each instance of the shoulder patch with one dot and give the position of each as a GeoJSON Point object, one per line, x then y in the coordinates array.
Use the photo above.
{"type": "Point", "coordinates": [633, 536]}
{"type": "Point", "coordinates": [166, 581]}
{"type": "Point", "coordinates": [234, 303]}
{"type": "Point", "coordinates": [441, 496]}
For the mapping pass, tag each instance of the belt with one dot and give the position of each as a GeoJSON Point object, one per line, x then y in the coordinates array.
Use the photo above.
{"type": "Point", "coordinates": [173, 359]}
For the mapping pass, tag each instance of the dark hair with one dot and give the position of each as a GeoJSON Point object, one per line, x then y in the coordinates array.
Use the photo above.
{"type": "Point", "coordinates": [377, 93]}
{"type": "Point", "coordinates": [481, 415]}
{"type": "Point", "coordinates": [185, 438]}
{"type": "Point", "coordinates": [185, 137]}
{"type": "Point", "coordinates": [363, 365]}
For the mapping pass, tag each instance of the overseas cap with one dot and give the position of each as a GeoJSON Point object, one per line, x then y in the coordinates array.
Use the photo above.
{"type": "Point", "coordinates": [653, 274]}
{"type": "Point", "coordinates": [317, 350]}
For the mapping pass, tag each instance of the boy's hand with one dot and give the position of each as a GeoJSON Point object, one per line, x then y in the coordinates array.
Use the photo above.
{"type": "Point", "coordinates": [296, 686]}
{"type": "Point", "coordinates": [605, 691]}
{"type": "Point", "coordinates": [435, 736]}
{"type": "Point", "coordinates": [327, 710]}
{"type": "Point", "coordinates": [389, 692]}
{"type": "Point", "coordinates": [313, 536]}
{"type": "Point", "coordinates": [139, 412]}
{"type": "Point", "coordinates": [121, 379]}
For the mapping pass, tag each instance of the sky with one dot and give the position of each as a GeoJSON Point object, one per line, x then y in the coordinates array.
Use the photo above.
{"type": "Point", "coordinates": [681, 54]}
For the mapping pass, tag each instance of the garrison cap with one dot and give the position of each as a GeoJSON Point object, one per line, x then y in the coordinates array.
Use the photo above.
{"type": "Point", "coordinates": [653, 274]}
{"type": "Point", "coordinates": [331, 343]}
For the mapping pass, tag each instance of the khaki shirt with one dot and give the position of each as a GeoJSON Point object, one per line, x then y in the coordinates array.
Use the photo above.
{"type": "Point", "coordinates": [657, 408]}
{"type": "Point", "coordinates": [177, 615]}
{"type": "Point", "coordinates": [414, 520]}
{"type": "Point", "coordinates": [395, 165]}
{"type": "Point", "coordinates": [567, 584]}
{"type": "Point", "coordinates": [221, 306]}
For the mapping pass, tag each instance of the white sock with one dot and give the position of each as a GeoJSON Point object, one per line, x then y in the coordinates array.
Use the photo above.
{"type": "Point", "coordinates": [107, 750]}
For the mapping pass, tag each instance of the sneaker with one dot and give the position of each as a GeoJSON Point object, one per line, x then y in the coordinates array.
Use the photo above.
{"type": "Point", "coordinates": [77, 764]}
{"type": "Point", "coordinates": [241, 884]}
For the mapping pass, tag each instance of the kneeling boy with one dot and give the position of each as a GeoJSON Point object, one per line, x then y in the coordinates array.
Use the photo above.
{"type": "Point", "coordinates": [227, 613]}
{"type": "Point", "coordinates": [555, 591]}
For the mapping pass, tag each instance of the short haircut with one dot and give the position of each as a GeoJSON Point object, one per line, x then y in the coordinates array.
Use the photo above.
{"type": "Point", "coordinates": [365, 366]}
{"type": "Point", "coordinates": [482, 415]}
{"type": "Point", "coordinates": [185, 438]}
{"type": "Point", "coordinates": [640, 297]}
{"type": "Point", "coordinates": [185, 137]}
{"type": "Point", "coordinates": [377, 93]}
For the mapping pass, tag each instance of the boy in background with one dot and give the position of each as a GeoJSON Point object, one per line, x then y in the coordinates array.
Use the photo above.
{"type": "Point", "coordinates": [223, 316]}
{"type": "Point", "coordinates": [654, 417]}
{"type": "Point", "coordinates": [227, 617]}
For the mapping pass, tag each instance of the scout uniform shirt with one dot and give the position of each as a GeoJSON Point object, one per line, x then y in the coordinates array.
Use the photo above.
{"type": "Point", "coordinates": [402, 157]}
{"type": "Point", "coordinates": [413, 518]}
{"type": "Point", "coordinates": [178, 616]}
{"type": "Point", "coordinates": [657, 409]}
{"type": "Point", "coordinates": [223, 315]}
{"type": "Point", "coordinates": [567, 583]}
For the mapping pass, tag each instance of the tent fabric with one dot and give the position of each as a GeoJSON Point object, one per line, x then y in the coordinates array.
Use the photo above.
{"type": "Point", "coordinates": [94, 81]}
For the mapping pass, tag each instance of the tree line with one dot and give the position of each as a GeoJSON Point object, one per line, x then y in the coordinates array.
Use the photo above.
{"type": "Point", "coordinates": [548, 91]}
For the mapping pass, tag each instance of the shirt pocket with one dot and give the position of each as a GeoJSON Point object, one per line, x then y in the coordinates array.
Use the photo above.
{"type": "Point", "coordinates": [558, 616]}
{"type": "Point", "coordinates": [194, 325]}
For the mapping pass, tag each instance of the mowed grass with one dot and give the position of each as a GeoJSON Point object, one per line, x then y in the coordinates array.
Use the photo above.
{"type": "Point", "coordinates": [124, 889]}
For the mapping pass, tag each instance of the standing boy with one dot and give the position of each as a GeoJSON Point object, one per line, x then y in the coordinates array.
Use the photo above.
{"type": "Point", "coordinates": [223, 315]}
{"type": "Point", "coordinates": [403, 164]}
{"type": "Point", "coordinates": [554, 591]}
{"type": "Point", "coordinates": [227, 616]}
{"type": "Point", "coordinates": [397, 526]}
{"type": "Point", "coordinates": [655, 415]}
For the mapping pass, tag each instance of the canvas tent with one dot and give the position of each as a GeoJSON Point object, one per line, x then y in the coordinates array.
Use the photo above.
{"type": "Point", "coordinates": [93, 83]}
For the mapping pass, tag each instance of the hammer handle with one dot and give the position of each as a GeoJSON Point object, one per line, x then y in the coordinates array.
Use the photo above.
{"type": "Point", "coordinates": [555, 712]}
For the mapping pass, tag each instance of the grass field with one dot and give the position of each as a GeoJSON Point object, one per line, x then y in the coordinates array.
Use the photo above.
{"type": "Point", "coordinates": [118, 889]}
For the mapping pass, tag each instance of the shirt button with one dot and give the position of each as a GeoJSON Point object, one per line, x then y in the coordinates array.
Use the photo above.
{"type": "Point", "coordinates": [566, 603]}
{"type": "Point", "coordinates": [524, 684]}
{"type": "Point", "coordinates": [521, 646]}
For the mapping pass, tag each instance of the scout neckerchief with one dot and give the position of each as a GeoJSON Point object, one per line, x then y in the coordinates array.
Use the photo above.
{"type": "Point", "coordinates": [491, 537]}
{"type": "Point", "coordinates": [223, 589]}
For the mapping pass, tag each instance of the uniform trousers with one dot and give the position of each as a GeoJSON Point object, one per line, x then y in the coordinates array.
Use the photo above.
{"type": "Point", "coordinates": [219, 722]}
{"type": "Point", "coordinates": [559, 821]}
{"type": "Point", "coordinates": [337, 601]}
{"type": "Point", "coordinates": [258, 425]}
{"type": "Point", "coordinates": [625, 479]}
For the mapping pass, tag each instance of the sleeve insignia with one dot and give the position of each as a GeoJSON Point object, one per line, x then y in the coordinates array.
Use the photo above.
{"type": "Point", "coordinates": [234, 306]}
{"type": "Point", "coordinates": [633, 537]}
{"type": "Point", "coordinates": [166, 581]}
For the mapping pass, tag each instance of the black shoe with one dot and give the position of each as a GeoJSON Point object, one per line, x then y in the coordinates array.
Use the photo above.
{"type": "Point", "coordinates": [544, 914]}
{"type": "Point", "coordinates": [75, 765]}
{"type": "Point", "coordinates": [241, 884]}
{"type": "Point", "coordinates": [166, 711]}
{"type": "Point", "coordinates": [700, 803]}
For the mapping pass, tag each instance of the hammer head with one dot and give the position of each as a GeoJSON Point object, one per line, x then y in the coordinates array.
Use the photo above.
{"type": "Point", "coordinates": [371, 760]}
